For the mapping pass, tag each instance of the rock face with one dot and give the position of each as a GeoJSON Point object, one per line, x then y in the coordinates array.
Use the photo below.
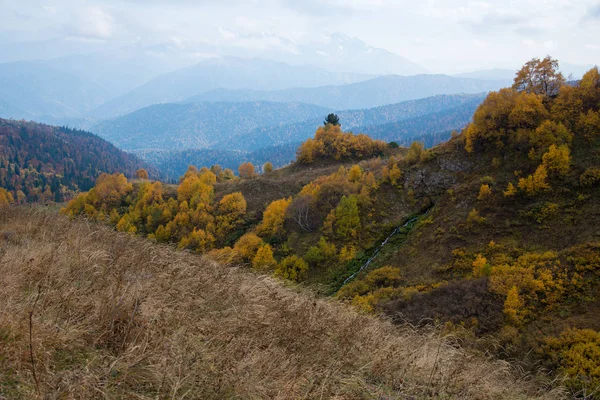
{"type": "Point", "coordinates": [429, 180]}
{"type": "Point", "coordinates": [448, 164]}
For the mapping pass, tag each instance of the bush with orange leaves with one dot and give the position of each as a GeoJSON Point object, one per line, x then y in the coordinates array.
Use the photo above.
{"type": "Point", "coordinates": [331, 142]}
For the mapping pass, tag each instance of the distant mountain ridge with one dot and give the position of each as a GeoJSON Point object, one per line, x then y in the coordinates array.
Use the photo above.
{"type": "Point", "coordinates": [455, 110]}
{"type": "Point", "coordinates": [222, 72]}
{"type": "Point", "coordinates": [178, 126]}
{"type": "Point", "coordinates": [430, 120]}
{"type": "Point", "coordinates": [370, 93]}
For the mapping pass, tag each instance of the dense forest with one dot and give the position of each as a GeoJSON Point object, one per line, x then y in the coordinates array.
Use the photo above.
{"type": "Point", "coordinates": [42, 163]}
{"type": "Point", "coordinates": [494, 234]}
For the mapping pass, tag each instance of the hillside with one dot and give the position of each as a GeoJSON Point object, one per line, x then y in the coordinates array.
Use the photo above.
{"type": "Point", "coordinates": [46, 163]}
{"type": "Point", "coordinates": [89, 312]}
{"type": "Point", "coordinates": [493, 234]}
{"type": "Point", "coordinates": [177, 126]}
{"type": "Point", "coordinates": [370, 93]}
{"type": "Point", "coordinates": [221, 72]}
{"type": "Point", "coordinates": [34, 90]}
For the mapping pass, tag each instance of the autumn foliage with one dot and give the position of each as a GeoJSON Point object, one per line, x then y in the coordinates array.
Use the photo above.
{"type": "Point", "coordinates": [331, 142]}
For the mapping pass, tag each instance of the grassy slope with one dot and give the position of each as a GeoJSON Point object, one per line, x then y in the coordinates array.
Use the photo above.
{"type": "Point", "coordinates": [116, 316]}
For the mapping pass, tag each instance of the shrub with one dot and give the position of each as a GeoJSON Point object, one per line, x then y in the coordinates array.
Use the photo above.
{"type": "Point", "coordinates": [510, 191]}
{"type": "Point", "coordinates": [6, 198]}
{"type": "Point", "coordinates": [248, 245]}
{"type": "Point", "coordinates": [484, 192]}
{"type": "Point", "coordinates": [577, 353]}
{"type": "Point", "coordinates": [267, 167]}
{"type": "Point", "coordinates": [535, 183]}
{"type": "Point", "coordinates": [474, 217]}
{"type": "Point", "coordinates": [264, 260]}
{"type": "Point", "coordinates": [292, 268]}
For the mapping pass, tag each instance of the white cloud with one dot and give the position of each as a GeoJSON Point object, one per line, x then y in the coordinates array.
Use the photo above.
{"type": "Point", "coordinates": [445, 35]}
{"type": "Point", "coordinates": [91, 22]}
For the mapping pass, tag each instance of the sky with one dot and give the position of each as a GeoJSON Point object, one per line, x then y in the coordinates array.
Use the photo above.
{"type": "Point", "coordinates": [442, 35]}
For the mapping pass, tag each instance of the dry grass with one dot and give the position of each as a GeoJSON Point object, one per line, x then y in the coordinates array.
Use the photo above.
{"type": "Point", "coordinates": [115, 316]}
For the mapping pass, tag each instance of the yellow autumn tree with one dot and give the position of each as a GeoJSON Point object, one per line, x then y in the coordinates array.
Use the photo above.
{"type": "Point", "coordinates": [248, 245]}
{"type": "Point", "coordinates": [355, 173]}
{"type": "Point", "coordinates": [484, 192]}
{"type": "Point", "coordinates": [535, 183]}
{"type": "Point", "coordinates": [6, 198]}
{"type": "Point", "coordinates": [557, 159]}
{"type": "Point", "coordinates": [198, 240]}
{"type": "Point", "coordinates": [502, 114]}
{"type": "Point", "coordinates": [394, 174]}
{"type": "Point", "coordinates": [292, 268]}
{"type": "Point", "coordinates": [230, 212]}
{"type": "Point", "coordinates": [274, 218]}
{"type": "Point", "coordinates": [480, 266]}
{"type": "Point", "coordinates": [513, 307]}
{"type": "Point", "coordinates": [510, 191]}
{"type": "Point", "coordinates": [264, 260]}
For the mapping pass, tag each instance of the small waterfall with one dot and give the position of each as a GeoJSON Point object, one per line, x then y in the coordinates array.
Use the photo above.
{"type": "Point", "coordinates": [394, 233]}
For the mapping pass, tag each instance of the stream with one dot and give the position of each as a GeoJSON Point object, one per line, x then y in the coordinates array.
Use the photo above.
{"type": "Point", "coordinates": [376, 252]}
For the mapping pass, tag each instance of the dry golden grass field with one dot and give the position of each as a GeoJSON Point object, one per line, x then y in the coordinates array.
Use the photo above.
{"type": "Point", "coordinates": [86, 313]}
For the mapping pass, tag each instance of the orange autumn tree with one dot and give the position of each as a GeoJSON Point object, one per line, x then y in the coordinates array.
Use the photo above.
{"type": "Point", "coordinates": [539, 77]}
{"type": "Point", "coordinates": [331, 142]}
{"type": "Point", "coordinates": [141, 174]}
{"type": "Point", "coordinates": [247, 170]}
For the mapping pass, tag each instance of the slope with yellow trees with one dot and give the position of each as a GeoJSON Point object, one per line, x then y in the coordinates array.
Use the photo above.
{"type": "Point", "coordinates": [509, 249]}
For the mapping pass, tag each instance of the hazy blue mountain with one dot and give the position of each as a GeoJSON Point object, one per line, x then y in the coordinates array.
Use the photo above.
{"type": "Point", "coordinates": [123, 69]}
{"type": "Point", "coordinates": [222, 72]}
{"type": "Point", "coordinates": [33, 90]}
{"type": "Point", "coordinates": [443, 121]}
{"type": "Point", "coordinates": [183, 125]}
{"type": "Point", "coordinates": [366, 94]}
{"type": "Point", "coordinates": [340, 52]}
{"type": "Point", "coordinates": [439, 113]}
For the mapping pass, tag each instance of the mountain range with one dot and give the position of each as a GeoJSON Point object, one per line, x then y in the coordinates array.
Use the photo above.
{"type": "Point", "coordinates": [160, 134]}
{"type": "Point", "coordinates": [365, 94]}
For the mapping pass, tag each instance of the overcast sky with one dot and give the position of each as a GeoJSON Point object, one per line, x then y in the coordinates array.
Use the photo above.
{"type": "Point", "coordinates": [442, 35]}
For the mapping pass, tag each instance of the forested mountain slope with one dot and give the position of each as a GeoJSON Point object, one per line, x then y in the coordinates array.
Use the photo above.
{"type": "Point", "coordinates": [177, 126]}
{"type": "Point", "coordinates": [46, 163]}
